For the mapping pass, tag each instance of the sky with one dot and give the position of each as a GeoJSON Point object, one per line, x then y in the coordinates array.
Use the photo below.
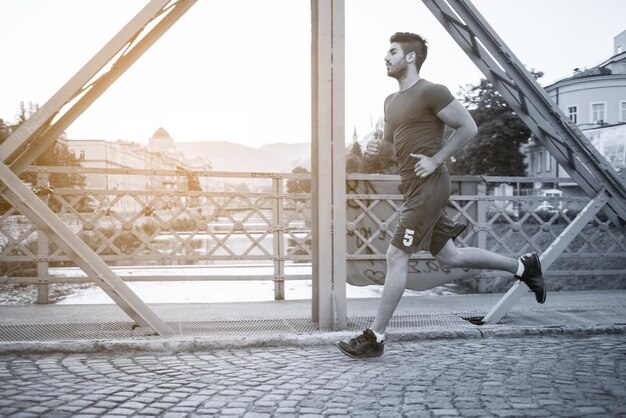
{"type": "Point", "coordinates": [239, 70]}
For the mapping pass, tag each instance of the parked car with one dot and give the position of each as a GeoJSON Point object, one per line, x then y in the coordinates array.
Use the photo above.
{"type": "Point", "coordinates": [546, 211]}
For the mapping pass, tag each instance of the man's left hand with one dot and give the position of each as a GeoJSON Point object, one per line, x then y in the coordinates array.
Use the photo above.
{"type": "Point", "coordinates": [424, 165]}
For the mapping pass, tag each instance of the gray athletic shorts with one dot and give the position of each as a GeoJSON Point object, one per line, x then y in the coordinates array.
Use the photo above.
{"type": "Point", "coordinates": [424, 224]}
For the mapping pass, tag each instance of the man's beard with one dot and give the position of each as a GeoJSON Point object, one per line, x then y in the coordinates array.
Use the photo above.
{"type": "Point", "coordinates": [397, 72]}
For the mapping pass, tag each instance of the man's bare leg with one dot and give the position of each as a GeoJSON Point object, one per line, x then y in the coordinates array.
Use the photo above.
{"type": "Point", "coordinates": [395, 283]}
{"type": "Point", "coordinates": [371, 343]}
{"type": "Point", "coordinates": [448, 257]}
{"type": "Point", "coordinates": [527, 268]}
{"type": "Point", "coordinates": [474, 258]}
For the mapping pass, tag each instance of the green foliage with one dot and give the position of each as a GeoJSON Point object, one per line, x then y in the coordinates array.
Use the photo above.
{"type": "Point", "coordinates": [376, 164]}
{"type": "Point", "coordinates": [358, 161]}
{"type": "Point", "coordinates": [5, 130]}
{"type": "Point", "coordinates": [353, 159]}
{"type": "Point", "coordinates": [496, 149]}
{"type": "Point", "coordinates": [58, 154]}
{"type": "Point", "coordinates": [299, 185]}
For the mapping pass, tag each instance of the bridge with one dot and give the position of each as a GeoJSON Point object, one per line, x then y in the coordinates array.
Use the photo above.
{"type": "Point", "coordinates": [266, 234]}
{"type": "Point", "coordinates": [272, 357]}
{"type": "Point", "coordinates": [328, 220]}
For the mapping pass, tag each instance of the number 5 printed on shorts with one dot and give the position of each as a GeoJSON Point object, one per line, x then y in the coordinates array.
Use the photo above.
{"type": "Point", "coordinates": [408, 237]}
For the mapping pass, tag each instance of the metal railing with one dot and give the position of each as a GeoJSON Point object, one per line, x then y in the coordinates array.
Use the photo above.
{"type": "Point", "coordinates": [256, 226]}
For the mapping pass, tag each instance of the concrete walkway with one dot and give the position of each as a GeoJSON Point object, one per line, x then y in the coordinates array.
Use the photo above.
{"type": "Point", "coordinates": [90, 328]}
{"type": "Point", "coordinates": [565, 358]}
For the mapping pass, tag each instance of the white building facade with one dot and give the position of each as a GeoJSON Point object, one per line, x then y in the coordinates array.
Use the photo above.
{"type": "Point", "coordinates": [595, 100]}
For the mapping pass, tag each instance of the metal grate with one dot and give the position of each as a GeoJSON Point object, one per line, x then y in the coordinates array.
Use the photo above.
{"type": "Point", "coordinates": [72, 331]}
{"type": "Point", "coordinates": [610, 315]}
{"type": "Point", "coordinates": [605, 315]}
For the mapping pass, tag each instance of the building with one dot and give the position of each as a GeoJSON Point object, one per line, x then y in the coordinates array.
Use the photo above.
{"type": "Point", "coordinates": [162, 142]}
{"type": "Point", "coordinates": [595, 100]}
{"type": "Point", "coordinates": [160, 154]}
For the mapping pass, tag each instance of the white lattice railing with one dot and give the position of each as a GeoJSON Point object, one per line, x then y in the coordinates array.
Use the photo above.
{"type": "Point", "coordinates": [252, 220]}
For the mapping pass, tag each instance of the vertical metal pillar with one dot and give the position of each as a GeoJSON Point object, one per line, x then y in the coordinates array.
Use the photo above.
{"type": "Point", "coordinates": [279, 237]}
{"type": "Point", "coordinates": [328, 164]}
{"type": "Point", "coordinates": [339, 168]}
{"type": "Point", "coordinates": [481, 214]}
{"type": "Point", "coordinates": [43, 250]}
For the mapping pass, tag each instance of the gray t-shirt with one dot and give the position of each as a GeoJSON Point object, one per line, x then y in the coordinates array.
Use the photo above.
{"type": "Point", "coordinates": [412, 125]}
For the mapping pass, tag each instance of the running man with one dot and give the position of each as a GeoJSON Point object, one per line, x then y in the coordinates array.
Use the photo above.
{"type": "Point", "coordinates": [415, 117]}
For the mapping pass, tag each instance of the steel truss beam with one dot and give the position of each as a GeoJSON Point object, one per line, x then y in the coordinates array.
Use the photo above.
{"type": "Point", "coordinates": [527, 98]}
{"type": "Point", "coordinates": [328, 172]}
{"type": "Point", "coordinates": [548, 257]}
{"type": "Point", "coordinates": [21, 197]}
{"type": "Point", "coordinates": [558, 134]}
{"type": "Point", "coordinates": [41, 130]}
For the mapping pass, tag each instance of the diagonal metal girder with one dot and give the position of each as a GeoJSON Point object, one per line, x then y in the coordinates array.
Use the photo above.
{"type": "Point", "coordinates": [560, 136]}
{"type": "Point", "coordinates": [548, 257]}
{"type": "Point", "coordinates": [21, 197]}
{"type": "Point", "coordinates": [41, 130]}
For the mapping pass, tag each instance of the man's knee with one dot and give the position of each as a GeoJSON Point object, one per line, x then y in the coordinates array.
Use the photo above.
{"type": "Point", "coordinates": [448, 257]}
{"type": "Point", "coordinates": [396, 256]}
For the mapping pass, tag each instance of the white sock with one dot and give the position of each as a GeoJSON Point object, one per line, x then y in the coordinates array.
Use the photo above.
{"type": "Point", "coordinates": [520, 268]}
{"type": "Point", "coordinates": [379, 337]}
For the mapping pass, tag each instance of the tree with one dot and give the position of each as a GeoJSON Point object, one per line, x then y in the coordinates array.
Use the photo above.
{"type": "Point", "coordinates": [496, 149]}
{"type": "Point", "coordinates": [362, 162]}
{"type": "Point", "coordinates": [5, 131]}
{"type": "Point", "coordinates": [377, 164]}
{"type": "Point", "coordinates": [299, 185]}
{"type": "Point", "coordinates": [58, 154]}
{"type": "Point", "coordinates": [353, 160]}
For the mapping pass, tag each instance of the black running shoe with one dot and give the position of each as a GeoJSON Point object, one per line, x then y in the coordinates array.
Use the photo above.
{"type": "Point", "coordinates": [532, 276]}
{"type": "Point", "coordinates": [365, 345]}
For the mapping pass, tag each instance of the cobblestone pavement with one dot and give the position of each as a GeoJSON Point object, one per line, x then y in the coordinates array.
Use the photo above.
{"type": "Point", "coordinates": [527, 376]}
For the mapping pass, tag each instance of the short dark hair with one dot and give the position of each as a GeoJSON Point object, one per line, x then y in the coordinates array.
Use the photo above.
{"type": "Point", "coordinates": [412, 42]}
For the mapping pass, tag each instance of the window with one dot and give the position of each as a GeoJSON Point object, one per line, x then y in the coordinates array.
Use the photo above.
{"type": "Point", "coordinates": [548, 162]}
{"type": "Point", "coordinates": [572, 111]}
{"type": "Point", "coordinates": [622, 111]}
{"type": "Point", "coordinates": [540, 162]}
{"type": "Point", "coordinates": [82, 154]}
{"type": "Point", "coordinates": [598, 112]}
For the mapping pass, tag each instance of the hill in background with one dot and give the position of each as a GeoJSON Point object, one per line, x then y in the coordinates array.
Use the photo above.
{"type": "Point", "coordinates": [228, 156]}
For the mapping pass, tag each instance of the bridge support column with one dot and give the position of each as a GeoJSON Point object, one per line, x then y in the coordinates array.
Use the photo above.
{"type": "Point", "coordinates": [328, 163]}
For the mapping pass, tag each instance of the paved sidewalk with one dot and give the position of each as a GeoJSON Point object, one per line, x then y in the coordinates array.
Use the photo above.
{"type": "Point", "coordinates": [105, 327]}
{"type": "Point", "coordinates": [564, 358]}
{"type": "Point", "coordinates": [534, 376]}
